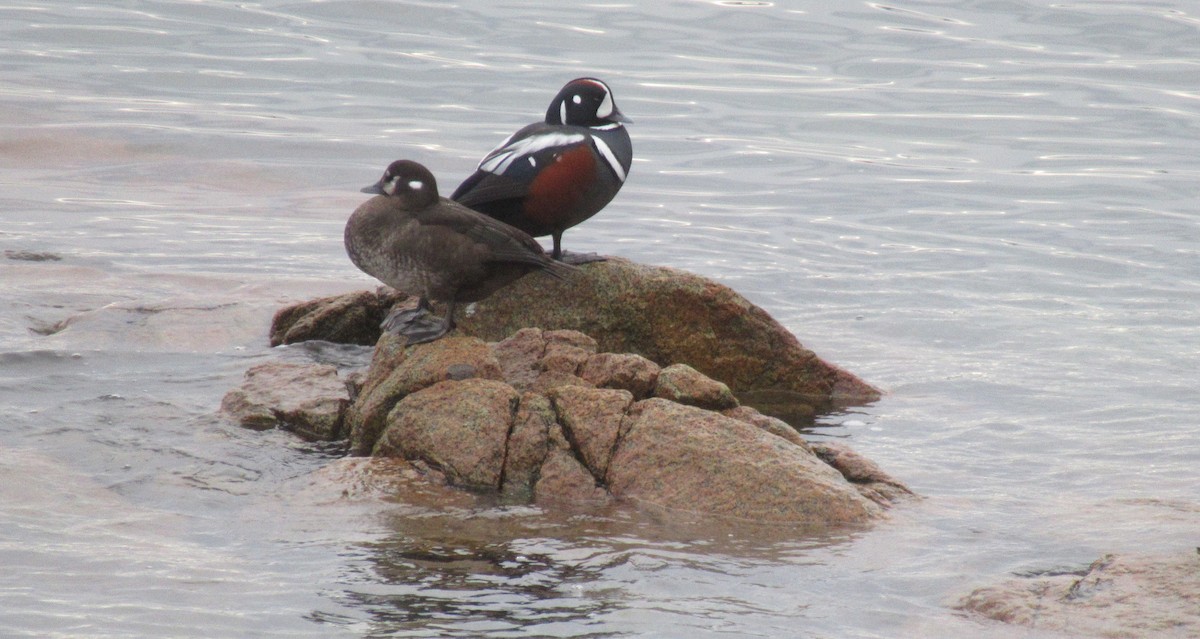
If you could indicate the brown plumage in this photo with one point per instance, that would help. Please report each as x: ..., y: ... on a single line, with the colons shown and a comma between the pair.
x: 417, y: 242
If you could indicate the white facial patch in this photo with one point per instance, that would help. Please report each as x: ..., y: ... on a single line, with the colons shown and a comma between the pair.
x: 562, y: 112
x: 389, y: 186
x: 416, y: 185
x: 577, y: 100
x: 499, y: 160
x: 606, y: 106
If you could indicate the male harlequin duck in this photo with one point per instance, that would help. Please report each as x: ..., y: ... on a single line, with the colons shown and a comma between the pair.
x: 552, y: 175
x: 424, y: 245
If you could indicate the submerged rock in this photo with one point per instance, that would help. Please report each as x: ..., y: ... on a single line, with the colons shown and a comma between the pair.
x: 661, y: 314
x: 1116, y: 596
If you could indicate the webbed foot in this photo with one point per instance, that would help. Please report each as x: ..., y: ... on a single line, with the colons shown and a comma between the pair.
x: 576, y: 259
x: 426, y: 328
x: 398, y: 318
x: 417, y: 326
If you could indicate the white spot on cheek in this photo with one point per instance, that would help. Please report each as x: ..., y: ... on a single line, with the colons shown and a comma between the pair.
x: 532, y: 161
x: 577, y: 100
x: 416, y: 185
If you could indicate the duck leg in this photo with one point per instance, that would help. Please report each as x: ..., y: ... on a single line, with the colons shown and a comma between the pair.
x: 572, y: 258
x: 427, y: 327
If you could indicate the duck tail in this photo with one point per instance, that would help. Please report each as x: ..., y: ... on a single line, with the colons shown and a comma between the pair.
x: 558, y: 270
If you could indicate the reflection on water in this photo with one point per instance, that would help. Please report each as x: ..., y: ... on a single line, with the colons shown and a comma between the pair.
x: 986, y: 209
x: 513, y: 569
x: 456, y: 585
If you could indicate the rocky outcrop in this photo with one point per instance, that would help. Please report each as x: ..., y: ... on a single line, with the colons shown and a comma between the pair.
x: 1116, y: 596
x: 542, y: 416
x: 633, y: 391
x: 663, y: 315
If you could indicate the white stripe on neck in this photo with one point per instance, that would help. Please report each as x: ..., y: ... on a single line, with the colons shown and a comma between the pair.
x: 610, y: 158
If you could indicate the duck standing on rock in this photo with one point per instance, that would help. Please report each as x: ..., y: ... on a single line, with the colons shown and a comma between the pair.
x: 425, y: 245
x: 552, y: 175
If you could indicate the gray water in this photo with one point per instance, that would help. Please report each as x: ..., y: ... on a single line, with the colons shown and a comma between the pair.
x: 988, y: 209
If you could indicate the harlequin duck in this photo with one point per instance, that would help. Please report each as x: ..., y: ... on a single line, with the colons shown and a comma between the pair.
x: 419, y: 243
x: 552, y: 175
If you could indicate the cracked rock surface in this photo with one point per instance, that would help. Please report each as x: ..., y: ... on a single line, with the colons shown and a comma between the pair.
x: 546, y: 418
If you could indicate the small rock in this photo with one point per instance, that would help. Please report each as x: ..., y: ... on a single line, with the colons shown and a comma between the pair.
x: 32, y: 256
x: 547, y: 381
x: 540, y: 361
x: 591, y: 420
x: 519, y: 355
x: 524, y: 417
x: 306, y: 398
x: 398, y: 370
x: 460, y: 428
x: 628, y: 371
x: 684, y: 384
x: 566, y: 351
x: 564, y: 479
x: 349, y: 319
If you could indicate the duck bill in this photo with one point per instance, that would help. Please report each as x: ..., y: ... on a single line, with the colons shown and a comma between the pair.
x: 374, y: 189
x: 617, y: 116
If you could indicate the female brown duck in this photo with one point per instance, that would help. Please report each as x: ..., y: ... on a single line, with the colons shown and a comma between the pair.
x: 429, y: 246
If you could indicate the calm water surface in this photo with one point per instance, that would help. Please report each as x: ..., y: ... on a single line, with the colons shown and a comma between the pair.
x: 986, y: 208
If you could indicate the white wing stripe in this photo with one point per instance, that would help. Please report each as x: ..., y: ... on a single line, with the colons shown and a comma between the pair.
x: 499, y: 160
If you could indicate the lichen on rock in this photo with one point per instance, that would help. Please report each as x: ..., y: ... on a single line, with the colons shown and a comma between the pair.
x: 664, y: 315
